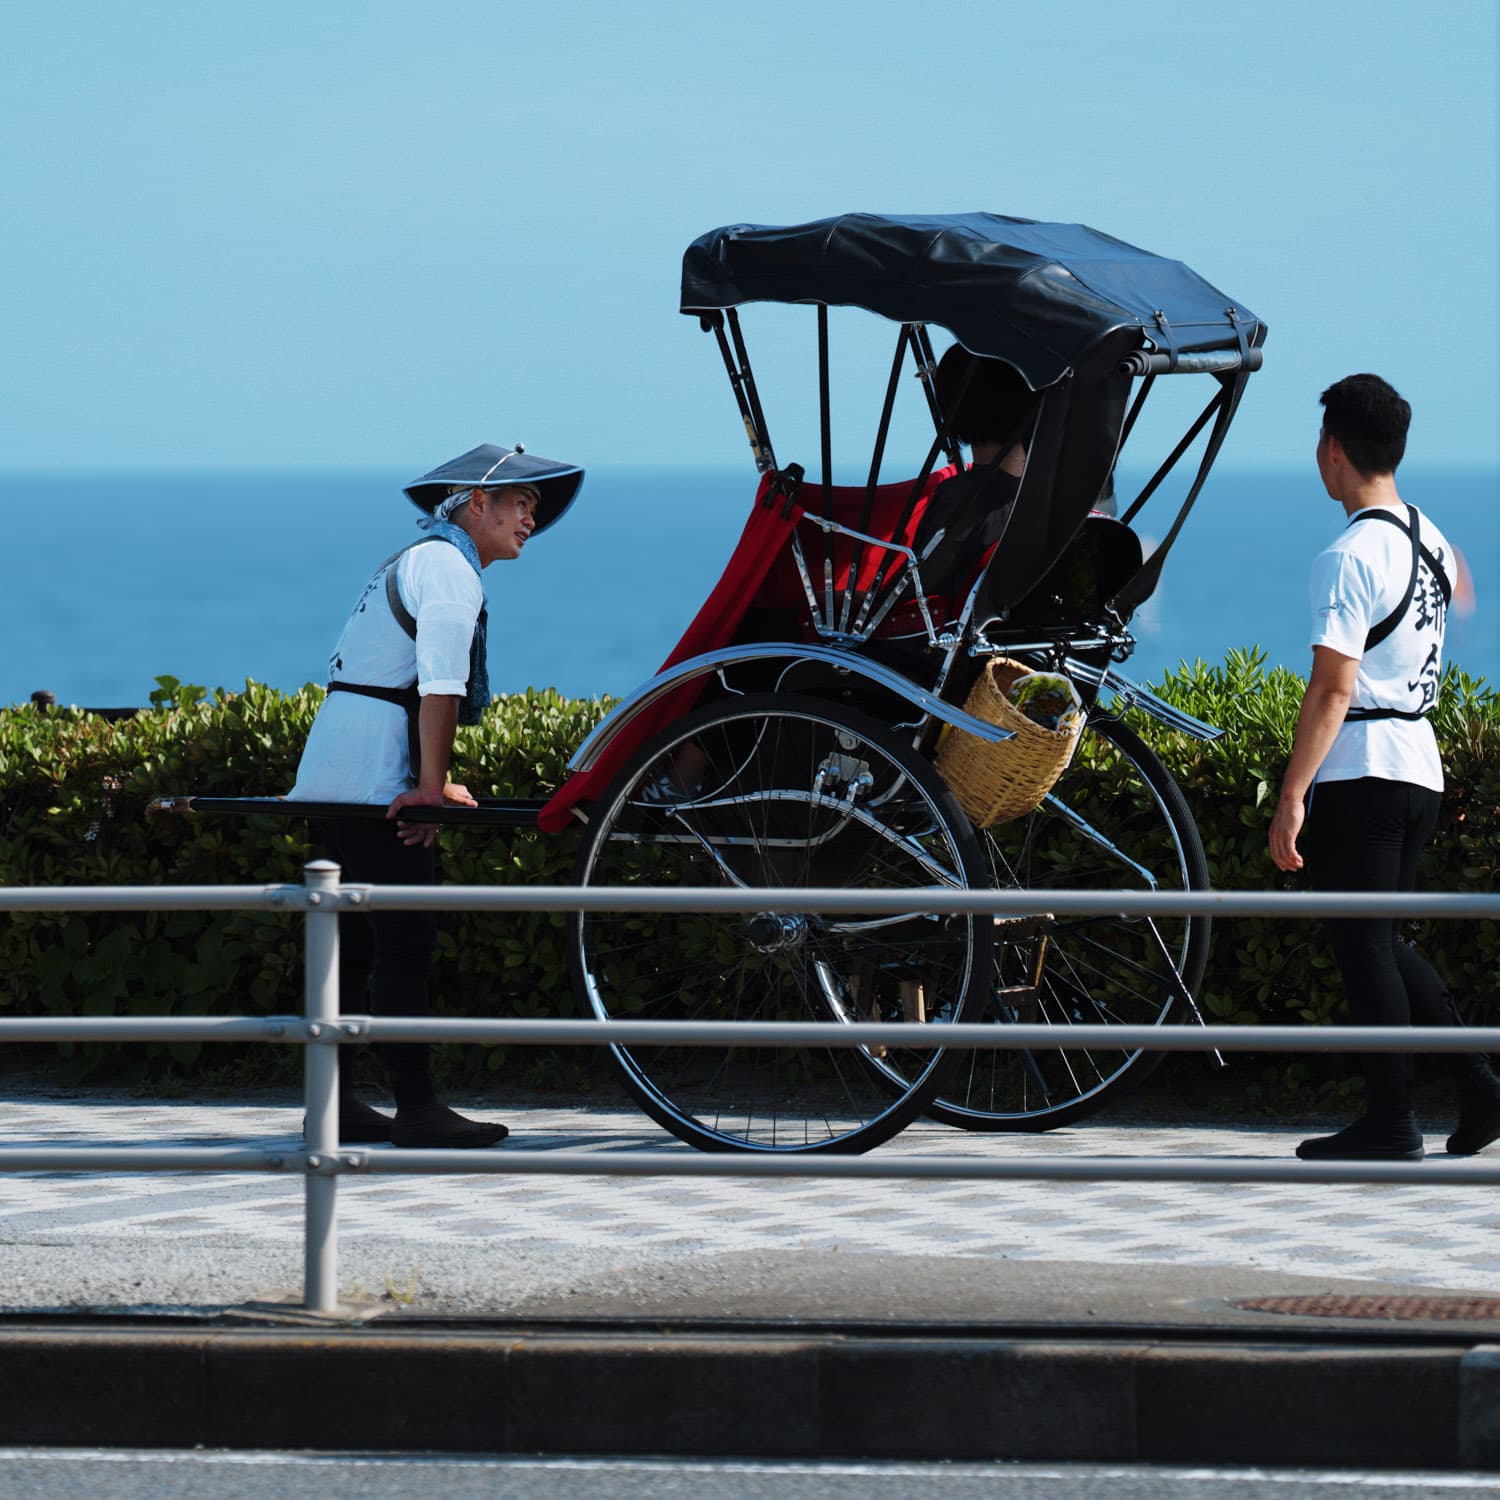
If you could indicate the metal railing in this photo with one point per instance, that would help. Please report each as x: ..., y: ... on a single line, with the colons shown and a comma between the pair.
x: 322, y: 1028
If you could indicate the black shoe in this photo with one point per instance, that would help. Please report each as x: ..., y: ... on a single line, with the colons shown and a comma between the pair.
x: 1478, y: 1120
x: 1395, y: 1138
x: 436, y: 1127
x: 359, y: 1125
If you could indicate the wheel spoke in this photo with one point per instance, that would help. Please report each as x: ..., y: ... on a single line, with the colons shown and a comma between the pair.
x: 810, y: 796
x: 1115, y: 821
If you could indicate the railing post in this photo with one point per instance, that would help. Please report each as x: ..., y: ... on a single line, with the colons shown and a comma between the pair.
x: 321, y: 1075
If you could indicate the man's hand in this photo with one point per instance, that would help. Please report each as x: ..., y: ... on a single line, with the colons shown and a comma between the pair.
x: 1330, y: 686
x: 1285, y: 827
x: 437, y: 720
x: 450, y: 795
x: 415, y: 833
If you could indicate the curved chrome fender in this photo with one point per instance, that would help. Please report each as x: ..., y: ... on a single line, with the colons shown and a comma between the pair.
x: 711, y: 661
x: 1130, y: 694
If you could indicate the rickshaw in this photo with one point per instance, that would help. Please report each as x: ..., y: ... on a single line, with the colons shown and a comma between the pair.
x: 789, y: 738
x: 800, y: 734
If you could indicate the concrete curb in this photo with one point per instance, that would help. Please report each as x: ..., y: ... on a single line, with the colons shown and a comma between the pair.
x: 1398, y: 1403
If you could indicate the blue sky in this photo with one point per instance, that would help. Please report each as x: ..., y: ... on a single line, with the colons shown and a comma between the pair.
x: 370, y: 235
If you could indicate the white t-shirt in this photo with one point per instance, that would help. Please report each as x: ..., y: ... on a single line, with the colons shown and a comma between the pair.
x: 357, y: 749
x: 1356, y: 583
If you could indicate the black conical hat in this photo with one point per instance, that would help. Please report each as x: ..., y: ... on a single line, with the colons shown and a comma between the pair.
x: 491, y: 467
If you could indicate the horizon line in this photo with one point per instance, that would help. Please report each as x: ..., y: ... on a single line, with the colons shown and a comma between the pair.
x: 747, y: 470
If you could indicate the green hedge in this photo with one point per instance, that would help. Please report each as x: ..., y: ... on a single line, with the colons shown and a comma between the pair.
x: 74, y: 790
x: 1280, y: 972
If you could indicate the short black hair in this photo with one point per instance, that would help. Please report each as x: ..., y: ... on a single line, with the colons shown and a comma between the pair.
x: 995, y: 404
x: 1369, y: 418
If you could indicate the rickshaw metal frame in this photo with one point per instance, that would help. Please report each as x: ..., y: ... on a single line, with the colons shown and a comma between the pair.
x: 845, y: 617
x: 859, y: 617
x: 846, y: 598
x: 1232, y: 366
x: 1000, y: 284
x: 710, y: 663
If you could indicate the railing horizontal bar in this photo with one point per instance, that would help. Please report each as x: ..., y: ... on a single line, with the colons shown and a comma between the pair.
x: 153, y: 1029
x: 291, y: 898
x: 585, y: 1033
x: 109, y: 1159
x: 1468, y: 905
x: 990, y: 1036
x: 941, y: 901
x: 682, y: 1162
x: 686, y: 1163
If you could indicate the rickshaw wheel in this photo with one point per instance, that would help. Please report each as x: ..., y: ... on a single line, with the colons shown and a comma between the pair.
x: 769, y: 791
x: 1117, y: 821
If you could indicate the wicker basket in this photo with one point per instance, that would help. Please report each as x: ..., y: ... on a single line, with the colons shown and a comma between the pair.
x: 997, y: 782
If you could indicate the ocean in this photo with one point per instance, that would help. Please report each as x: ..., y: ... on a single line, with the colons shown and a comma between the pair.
x: 115, y: 580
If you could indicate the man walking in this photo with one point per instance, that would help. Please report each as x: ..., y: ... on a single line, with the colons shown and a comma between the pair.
x: 408, y: 669
x: 1365, y: 770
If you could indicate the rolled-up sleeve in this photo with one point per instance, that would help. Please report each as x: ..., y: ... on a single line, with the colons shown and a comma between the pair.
x: 445, y: 596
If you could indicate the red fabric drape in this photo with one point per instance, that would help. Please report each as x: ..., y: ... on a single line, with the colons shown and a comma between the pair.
x: 761, y: 572
x: 765, y: 538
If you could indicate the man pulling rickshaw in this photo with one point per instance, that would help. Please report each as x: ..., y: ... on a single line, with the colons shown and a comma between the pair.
x: 408, y: 669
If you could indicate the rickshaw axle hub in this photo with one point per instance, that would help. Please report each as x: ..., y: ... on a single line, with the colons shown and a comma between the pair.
x: 773, y: 932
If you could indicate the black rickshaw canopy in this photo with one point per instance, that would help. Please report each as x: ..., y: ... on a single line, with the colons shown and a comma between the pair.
x: 1037, y: 295
x: 1079, y: 314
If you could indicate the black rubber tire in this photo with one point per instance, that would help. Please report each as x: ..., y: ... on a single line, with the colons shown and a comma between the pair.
x: 1130, y: 796
x: 766, y: 814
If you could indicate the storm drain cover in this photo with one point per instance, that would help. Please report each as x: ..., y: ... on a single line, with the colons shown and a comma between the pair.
x: 1437, y: 1309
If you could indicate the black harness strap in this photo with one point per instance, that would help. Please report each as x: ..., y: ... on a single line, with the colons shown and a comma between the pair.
x: 407, y: 698
x: 470, y: 713
x: 1382, y: 631
x: 404, y: 617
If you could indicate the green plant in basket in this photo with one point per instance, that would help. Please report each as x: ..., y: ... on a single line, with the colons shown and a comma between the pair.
x: 1047, y: 699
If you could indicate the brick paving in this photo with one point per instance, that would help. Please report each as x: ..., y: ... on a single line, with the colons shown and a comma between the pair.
x: 1448, y: 1237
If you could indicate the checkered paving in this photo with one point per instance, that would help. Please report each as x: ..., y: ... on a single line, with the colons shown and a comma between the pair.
x: 1447, y: 1237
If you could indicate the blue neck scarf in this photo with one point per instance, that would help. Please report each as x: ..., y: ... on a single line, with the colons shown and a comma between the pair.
x: 477, y: 699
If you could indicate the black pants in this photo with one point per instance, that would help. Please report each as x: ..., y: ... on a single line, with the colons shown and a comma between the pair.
x: 1367, y: 835
x: 385, y: 957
